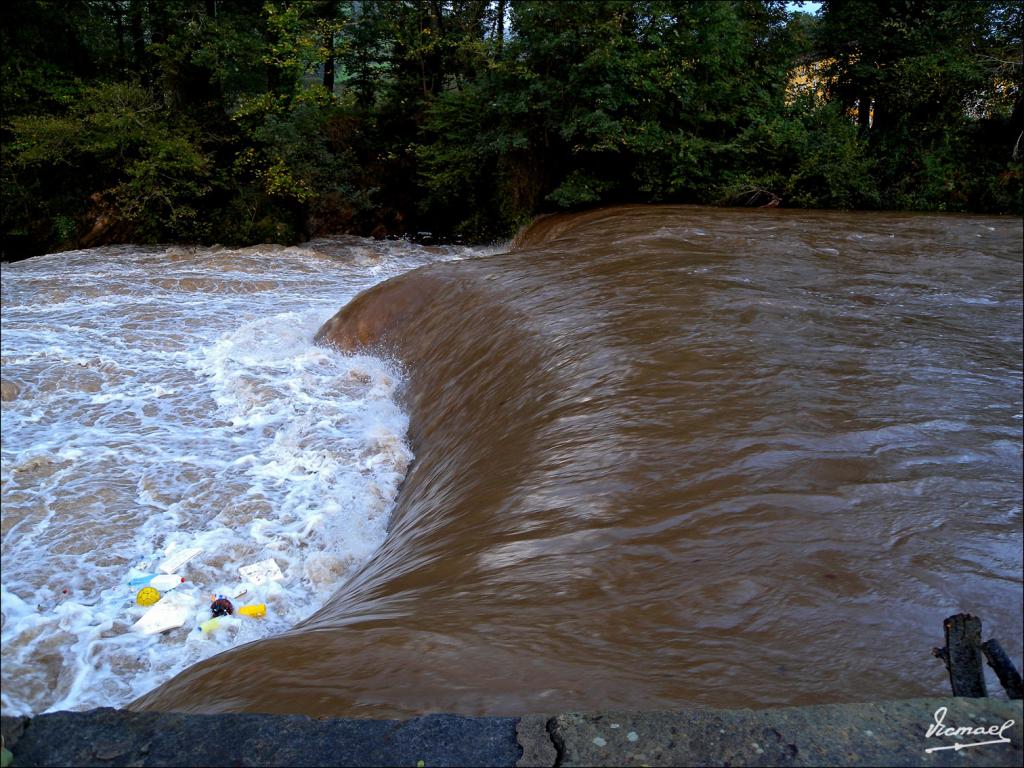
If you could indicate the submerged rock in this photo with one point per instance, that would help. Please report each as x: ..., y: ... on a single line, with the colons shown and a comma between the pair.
x: 8, y: 390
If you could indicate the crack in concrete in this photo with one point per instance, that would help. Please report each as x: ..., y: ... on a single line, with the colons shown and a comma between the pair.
x: 556, y: 741
x: 534, y: 738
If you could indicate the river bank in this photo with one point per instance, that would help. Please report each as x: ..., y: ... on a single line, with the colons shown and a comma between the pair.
x: 892, y: 733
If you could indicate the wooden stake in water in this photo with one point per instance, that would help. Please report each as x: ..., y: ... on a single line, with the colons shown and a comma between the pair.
x: 962, y: 655
x: 1004, y: 669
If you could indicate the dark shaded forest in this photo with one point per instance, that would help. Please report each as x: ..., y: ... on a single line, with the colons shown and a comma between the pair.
x: 238, y: 121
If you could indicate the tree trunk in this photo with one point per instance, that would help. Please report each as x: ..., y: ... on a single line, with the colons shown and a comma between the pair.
x: 138, y: 40
x: 122, y: 58
x: 864, y: 111
x: 501, y: 26
x: 158, y: 21
x: 329, y: 63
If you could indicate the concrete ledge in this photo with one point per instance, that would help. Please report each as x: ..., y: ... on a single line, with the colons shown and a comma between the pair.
x: 108, y: 737
x: 883, y: 734
x: 888, y: 733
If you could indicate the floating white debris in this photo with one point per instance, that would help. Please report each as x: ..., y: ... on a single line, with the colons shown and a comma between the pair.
x: 261, y: 572
x: 162, y: 617
x: 165, y: 582
x: 178, y: 559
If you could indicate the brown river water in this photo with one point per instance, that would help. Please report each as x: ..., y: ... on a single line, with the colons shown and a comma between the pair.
x: 670, y: 457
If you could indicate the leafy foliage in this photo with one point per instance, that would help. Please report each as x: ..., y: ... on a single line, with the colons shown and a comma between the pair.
x: 238, y: 121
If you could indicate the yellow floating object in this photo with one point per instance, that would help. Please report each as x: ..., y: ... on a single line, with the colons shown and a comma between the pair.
x: 210, y: 625
x: 147, y: 596
x: 257, y: 611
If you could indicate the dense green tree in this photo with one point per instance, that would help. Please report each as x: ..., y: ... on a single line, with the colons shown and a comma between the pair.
x: 238, y: 121
x: 932, y: 84
x: 604, y: 101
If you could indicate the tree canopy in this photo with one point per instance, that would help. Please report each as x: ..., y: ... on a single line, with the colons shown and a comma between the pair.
x: 237, y: 121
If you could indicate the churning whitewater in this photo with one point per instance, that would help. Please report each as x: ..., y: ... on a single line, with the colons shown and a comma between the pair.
x: 159, y: 399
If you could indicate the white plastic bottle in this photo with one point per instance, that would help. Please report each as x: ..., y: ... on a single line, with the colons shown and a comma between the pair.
x: 166, y: 581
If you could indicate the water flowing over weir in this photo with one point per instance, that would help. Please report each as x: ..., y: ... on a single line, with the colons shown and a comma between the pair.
x: 661, y: 456
x: 157, y: 397
x: 668, y: 456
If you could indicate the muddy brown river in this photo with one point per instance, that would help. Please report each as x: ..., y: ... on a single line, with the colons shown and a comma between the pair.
x: 677, y: 457
x: 668, y: 457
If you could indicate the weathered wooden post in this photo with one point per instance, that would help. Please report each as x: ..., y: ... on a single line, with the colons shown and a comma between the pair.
x: 962, y: 655
x: 1004, y: 669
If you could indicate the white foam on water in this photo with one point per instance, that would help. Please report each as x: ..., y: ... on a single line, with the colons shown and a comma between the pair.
x: 170, y: 398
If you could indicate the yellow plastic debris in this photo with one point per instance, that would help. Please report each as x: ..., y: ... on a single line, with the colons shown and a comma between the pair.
x: 210, y: 625
x: 147, y: 596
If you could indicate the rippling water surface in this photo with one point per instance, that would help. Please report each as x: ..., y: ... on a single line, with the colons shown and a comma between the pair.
x: 660, y: 457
